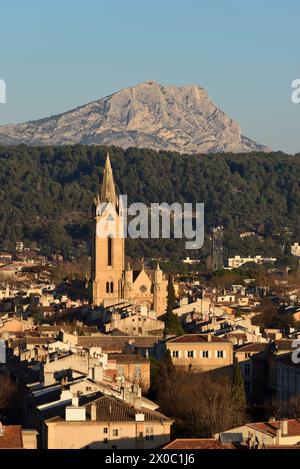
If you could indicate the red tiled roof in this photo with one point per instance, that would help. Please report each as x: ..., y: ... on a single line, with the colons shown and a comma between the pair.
x: 110, y: 409
x: 193, y: 338
x: 197, y: 443
x: 271, y: 427
x: 282, y: 344
x: 11, y: 437
x: 37, y: 340
x: 253, y: 347
x: 116, y: 344
x: 127, y: 358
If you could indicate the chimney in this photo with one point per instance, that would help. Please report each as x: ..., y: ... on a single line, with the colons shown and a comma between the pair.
x: 126, y: 395
x: 284, y: 427
x: 208, y: 337
x: 74, y: 413
x: 278, y: 436
x: 93, y: 412
x: 75, y: 401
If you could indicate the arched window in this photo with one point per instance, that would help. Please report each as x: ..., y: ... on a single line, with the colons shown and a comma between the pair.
x: 107, y: 287
x: 109, y: 251
x: 111, y: 287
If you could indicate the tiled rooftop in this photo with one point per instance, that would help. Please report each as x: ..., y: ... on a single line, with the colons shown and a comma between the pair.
x: 127, y: 358
x: 194, y: 338
x: 271, y: 427
x: 197, y: 443
x: 11, y: 437
x: 112, y: 409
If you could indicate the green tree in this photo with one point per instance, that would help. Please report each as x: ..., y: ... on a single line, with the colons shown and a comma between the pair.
x: 172, y: 322
x: 238, y: 388
x: 160, y: 372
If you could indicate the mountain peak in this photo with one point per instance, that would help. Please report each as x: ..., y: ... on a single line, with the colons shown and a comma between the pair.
x: 148, y: 115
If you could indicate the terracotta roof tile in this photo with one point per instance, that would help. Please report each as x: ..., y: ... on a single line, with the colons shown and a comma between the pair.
x: 112, y: 409
x: 193, y: 338
x: 282, y: 344
x: 11, y: 437
x: 271, y: 427
x: 197, y: 443
x: 127, y: 358
x: 116, y: 344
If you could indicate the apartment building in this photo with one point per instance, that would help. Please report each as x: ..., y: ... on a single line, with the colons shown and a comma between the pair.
x: 202, y: 352
x: 108, y: 423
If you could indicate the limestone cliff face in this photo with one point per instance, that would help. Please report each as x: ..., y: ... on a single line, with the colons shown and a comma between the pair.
x: 149, y: 115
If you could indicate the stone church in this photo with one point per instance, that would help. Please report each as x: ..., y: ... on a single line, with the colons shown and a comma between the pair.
x: 112, y: 282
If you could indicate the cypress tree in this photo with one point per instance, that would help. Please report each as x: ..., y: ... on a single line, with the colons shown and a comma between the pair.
x: 172, y: 322
x: 238, y: 388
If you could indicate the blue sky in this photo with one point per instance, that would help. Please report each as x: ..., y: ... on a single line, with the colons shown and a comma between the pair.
x: 56, y: 55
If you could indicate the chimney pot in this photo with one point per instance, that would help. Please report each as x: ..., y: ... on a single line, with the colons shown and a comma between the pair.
x: 284, y: 426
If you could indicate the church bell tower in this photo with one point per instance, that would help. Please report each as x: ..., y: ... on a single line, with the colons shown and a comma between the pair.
x: 108, y: 253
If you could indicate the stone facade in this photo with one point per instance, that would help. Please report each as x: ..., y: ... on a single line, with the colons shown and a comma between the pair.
x: 111, y: 282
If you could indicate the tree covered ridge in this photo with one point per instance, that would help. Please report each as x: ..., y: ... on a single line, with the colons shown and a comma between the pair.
x: 46, y: 193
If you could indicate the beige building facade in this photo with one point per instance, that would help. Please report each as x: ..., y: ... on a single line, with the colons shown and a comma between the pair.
x: 202, y: 352
x: 112, y: 283
x: 108, y: 423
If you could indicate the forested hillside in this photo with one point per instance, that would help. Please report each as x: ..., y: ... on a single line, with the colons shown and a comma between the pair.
x: 46, y: 195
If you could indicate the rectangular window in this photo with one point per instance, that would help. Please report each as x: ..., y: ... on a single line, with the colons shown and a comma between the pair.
x: 149, y: 434
x: 138, y: 371
x: 120, y: 370
x: 105, y: 440
x: 205, y: 354
x: 175, y: 354
x: 115, y: 432
x: 190, y: 354
x: 220, y: 354
x: 105, y: 430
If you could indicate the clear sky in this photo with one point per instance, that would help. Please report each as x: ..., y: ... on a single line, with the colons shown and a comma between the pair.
x: 56, y: 55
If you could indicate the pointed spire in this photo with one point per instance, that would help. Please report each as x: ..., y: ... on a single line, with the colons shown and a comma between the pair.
x: 108, y: 190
